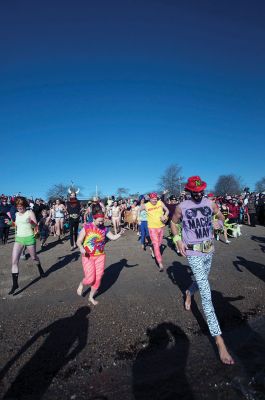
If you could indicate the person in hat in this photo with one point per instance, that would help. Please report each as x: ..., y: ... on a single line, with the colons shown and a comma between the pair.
x: 73, y: 208
x: 157, y: 216
x: 196, y: 243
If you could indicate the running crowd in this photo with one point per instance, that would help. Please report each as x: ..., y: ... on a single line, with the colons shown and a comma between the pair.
x: 194, y: 221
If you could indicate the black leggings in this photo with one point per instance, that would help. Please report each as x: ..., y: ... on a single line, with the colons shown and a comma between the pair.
x: 4, y: 232
x: 73, y: 227
x: 252, y: 218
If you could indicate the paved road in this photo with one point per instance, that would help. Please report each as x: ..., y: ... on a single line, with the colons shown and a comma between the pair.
x: 139, y: 342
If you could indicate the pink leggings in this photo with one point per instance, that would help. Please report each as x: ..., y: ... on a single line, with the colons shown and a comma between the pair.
x: 93, y: 270
x: 156, y: 235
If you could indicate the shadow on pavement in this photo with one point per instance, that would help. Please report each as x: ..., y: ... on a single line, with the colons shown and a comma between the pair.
x: 159, y: 369
x: 64, y: 339
x: 246, y: 344
x: 111, y: 275
x: 64, y: 260
x: 255, y: 268
x: 258, y: 239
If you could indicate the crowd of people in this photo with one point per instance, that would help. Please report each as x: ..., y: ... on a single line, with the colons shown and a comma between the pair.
x: 194, y: 221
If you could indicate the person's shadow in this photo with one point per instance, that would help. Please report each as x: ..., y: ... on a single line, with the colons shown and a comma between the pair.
x: 48, y: 246
x: 159, y: 369
x: 65, y: 338
x: 258, y: 239
x: 111, y: 275
x: 63, y: 261
x: 245, y: 343
x: 255, y: 268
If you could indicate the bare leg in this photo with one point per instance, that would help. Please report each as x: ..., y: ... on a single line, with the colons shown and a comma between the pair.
x: 16, y: 253
x: 80, y: 289
x: 61, y: 226
x: 91, y: 296
x: 114, y: 226
x: 118, y: 225
x: 187, y: 300
x: 32, y: 253
x: 225, y: 236
x: 57, y: 227
x: 223, y: 352
x: 35, y: 259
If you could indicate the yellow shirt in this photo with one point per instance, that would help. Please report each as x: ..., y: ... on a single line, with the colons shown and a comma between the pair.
x: 154, y: 213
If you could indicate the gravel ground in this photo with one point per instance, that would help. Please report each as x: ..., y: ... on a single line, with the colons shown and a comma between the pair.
x: 139, y: 342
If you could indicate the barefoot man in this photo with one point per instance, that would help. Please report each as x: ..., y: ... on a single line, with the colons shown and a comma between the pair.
x: 196, y: 244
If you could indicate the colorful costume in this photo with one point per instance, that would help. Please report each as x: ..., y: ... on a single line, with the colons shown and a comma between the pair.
x: 94, y: 260
x: 197, y: 234
x: 155, y: 226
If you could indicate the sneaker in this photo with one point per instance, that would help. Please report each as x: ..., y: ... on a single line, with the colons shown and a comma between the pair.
x: 217, y: 237
x: 227, y: 241
x: 23, y: 257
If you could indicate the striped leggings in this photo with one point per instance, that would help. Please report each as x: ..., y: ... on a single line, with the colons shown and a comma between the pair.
x: 200, y: 266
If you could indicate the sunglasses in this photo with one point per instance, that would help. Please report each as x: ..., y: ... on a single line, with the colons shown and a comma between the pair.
x: 192, y: 212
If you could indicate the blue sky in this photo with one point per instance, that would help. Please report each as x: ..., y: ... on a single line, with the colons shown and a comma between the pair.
x: 110, y: 93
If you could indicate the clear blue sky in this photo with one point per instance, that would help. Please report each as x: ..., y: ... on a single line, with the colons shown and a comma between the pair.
x: 113, y: 92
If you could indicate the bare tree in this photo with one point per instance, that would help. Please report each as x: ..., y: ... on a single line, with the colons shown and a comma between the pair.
x: 260, y: 185
x: 134, y: 195
x: 228, y: 184
x: 172, y: 180
x: 58, y: 190
x: 122, y: 192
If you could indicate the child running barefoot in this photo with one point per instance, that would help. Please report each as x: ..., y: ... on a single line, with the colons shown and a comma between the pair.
x: 91, y: 242
x: 44, y: 229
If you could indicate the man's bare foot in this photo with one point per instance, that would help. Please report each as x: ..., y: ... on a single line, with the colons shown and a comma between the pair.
x: 225, y: 357
x: 187, y: 300
x: 93, y: 301
x: 80, y: 289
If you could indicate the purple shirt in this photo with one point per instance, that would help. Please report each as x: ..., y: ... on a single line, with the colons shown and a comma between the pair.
x: 196, y: 223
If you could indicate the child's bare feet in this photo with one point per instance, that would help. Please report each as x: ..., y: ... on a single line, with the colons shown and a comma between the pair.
x: 93, y: 301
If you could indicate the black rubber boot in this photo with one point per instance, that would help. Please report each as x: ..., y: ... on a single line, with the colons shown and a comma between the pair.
x: 41, y: 272
x: 15, y: 283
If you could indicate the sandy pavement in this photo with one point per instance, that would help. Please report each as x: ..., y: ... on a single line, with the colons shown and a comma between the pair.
x: 139, y: 342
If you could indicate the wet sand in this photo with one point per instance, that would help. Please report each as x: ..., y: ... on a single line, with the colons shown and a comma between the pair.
x: 139, y: 342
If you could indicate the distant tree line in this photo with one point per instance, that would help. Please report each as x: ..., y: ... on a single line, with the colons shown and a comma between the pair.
x: 171, y: 181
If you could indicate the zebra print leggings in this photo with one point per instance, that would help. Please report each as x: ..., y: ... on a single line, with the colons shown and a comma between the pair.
x: 200, y: 266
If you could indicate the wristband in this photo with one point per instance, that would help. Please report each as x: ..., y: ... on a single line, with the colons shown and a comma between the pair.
x: 176, y: 238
